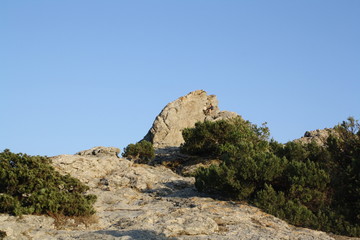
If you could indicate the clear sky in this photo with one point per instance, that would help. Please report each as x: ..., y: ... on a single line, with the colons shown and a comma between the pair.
x: 75, y: 74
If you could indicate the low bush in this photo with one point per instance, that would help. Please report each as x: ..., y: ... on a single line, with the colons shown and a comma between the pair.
x: 306, y: 184
x: 30, y: 185
x: 142, y: 151
x: 224, y: 136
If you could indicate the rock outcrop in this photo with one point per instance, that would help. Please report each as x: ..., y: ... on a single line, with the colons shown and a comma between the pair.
x: 100, y: 152
x: 144, y: 202
x: 184, y: 113
x: 318, y: 136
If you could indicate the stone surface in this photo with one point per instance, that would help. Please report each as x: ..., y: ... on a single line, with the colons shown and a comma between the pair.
x: 183, y: 113
x: 138, y: 201
x: 100, y: 151
x: 318, y: 136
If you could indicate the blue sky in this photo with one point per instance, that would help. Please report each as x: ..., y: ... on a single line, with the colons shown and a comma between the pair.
x: 85, y: 73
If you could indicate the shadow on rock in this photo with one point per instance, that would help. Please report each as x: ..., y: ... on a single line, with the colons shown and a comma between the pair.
x: 176, y: 189
x: 130, y: 234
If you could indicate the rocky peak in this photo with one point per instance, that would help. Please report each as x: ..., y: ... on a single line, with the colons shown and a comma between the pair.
x: 182, y: 113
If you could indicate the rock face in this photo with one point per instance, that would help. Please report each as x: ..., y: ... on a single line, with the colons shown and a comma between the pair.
x: 183, y: 113
x: 100, y: 151
x: 144, y: 202
x: 318, y: 136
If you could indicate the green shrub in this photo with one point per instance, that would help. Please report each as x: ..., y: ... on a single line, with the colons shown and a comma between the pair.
x: 142, y: 151
x: 247, y: 161
x: 345, y: 168
x: 239, y: 177
x: 30, y: 185
x: 279, y: 205
x: 215, y: 138
x: 306, y: 184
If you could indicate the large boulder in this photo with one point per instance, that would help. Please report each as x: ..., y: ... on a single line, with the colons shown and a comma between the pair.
x: 184, y: 112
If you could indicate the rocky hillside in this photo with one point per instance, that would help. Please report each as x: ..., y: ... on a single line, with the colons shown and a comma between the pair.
x: 146, y: 202
x: 137, y: 201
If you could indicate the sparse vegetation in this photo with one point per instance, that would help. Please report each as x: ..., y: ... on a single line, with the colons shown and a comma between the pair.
x: 2, y: 235
x: 306, y: 184
x: 30, y: 185
x: 142, y: 152
x: 65, y: 222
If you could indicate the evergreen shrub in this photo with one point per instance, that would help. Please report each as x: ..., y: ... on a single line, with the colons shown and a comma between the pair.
x: 306, y: 184
x: 142, y: 151
x: 30, y: 185
x: 215, y: 138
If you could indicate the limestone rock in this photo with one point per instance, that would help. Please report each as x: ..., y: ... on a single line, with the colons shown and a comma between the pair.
x: 184, y: 113
x: 100, y: 151
x: 318, y: 136
x: 223, y: 115
x: 26, y: 226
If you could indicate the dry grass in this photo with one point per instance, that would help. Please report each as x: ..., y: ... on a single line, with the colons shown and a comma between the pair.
x: 61, y: 221
x: 2, y: 234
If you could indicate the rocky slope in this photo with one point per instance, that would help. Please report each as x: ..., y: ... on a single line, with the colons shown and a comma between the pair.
x: 152, y: 202
x: 146, y: 202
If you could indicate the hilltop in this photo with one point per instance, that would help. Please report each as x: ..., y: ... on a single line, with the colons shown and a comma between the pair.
x: 141, y: 201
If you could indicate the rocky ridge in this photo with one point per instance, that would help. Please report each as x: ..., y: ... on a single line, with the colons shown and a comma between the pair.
x: 145, y: 202
x: 100, y: 151
x: 318, y: 136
